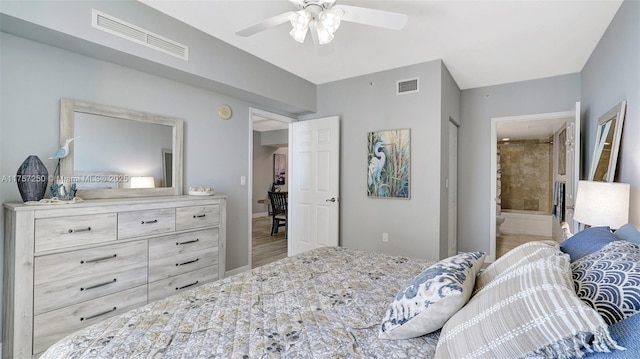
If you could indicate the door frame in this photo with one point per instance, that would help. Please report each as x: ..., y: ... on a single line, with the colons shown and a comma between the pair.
x: 272, y: 116
x: 494, y: 166
x: 452, y: 189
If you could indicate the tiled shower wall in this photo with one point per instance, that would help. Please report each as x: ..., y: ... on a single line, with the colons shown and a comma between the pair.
x: 526, y: 175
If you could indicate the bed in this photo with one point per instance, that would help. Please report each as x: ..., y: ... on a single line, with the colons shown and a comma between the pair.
x: 322, y: 303
x: 539, y: 300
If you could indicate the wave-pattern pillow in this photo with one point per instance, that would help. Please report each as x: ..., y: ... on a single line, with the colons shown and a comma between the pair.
x: 516, y: 257
x: 432, y: 297
x: 531, y: 310
x: 609, y: 280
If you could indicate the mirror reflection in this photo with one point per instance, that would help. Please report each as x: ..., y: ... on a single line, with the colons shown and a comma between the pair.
x: 129, y: 150
x: 604, y: 143
x: 607, y: 144
x: 118, y: 153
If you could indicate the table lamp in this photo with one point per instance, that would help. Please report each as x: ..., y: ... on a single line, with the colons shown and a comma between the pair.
x: 142, y: 182
x: 602, y: 204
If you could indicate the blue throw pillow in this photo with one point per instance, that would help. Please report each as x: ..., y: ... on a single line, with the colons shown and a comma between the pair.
x: 628, y: 233
x: 609, y: 280
x: 432, y: 297
x: 586, y: 242
x: 627, y: 334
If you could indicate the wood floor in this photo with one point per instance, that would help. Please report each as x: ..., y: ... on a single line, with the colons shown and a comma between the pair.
x: 266, y: 248
x: 507, y: 241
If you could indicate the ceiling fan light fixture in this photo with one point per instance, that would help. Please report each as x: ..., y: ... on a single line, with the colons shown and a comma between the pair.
x: 330, y: 20
x: 324, y: 35
x: 298, y: 34
x: 300, y: 23
x: 322, y: 20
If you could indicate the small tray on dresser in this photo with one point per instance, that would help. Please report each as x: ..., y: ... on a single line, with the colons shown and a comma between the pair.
x: 201, y: 191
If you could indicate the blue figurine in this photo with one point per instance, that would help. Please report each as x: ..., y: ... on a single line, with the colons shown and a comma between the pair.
x: 61, y: 153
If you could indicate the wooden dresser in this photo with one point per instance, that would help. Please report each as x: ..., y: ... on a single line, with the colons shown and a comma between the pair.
x: 67, y: 266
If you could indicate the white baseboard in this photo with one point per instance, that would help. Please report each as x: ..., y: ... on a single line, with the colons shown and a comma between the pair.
x: 236, y: 271
x: 260, y: 214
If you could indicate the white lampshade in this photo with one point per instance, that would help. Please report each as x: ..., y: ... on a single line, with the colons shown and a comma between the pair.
x: 602, y: 204
x: 143, y: 182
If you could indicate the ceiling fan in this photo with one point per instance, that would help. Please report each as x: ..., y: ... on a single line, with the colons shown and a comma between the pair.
x: 322, y: 18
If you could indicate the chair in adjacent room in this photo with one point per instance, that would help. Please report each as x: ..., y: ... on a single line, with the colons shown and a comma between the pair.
x: 279, y: 209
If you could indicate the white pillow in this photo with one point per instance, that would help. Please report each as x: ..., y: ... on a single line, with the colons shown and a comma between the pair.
x: 432, y: 297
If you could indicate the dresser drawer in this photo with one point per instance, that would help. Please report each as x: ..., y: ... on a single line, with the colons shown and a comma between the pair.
x: 62, y: 232
x: 169, y: 246
x: 172, y: 285
x: 53, y: 326
x: 144, y: 223
x: 197, y: 217
x: 73, y: 277
x: 161, y: 268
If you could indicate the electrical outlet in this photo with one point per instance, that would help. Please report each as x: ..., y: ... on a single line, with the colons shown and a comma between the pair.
x: 385, y: 237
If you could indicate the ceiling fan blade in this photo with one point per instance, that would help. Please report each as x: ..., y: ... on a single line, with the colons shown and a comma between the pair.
x: 265, y: 24
x: 373, y: 17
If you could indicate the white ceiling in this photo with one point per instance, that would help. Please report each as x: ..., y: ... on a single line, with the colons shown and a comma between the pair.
x: 262, y: 124
x: 539, y: 129
x: 481, y: 42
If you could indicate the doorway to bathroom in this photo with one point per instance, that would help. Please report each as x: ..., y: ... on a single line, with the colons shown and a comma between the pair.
x: 535, y: 166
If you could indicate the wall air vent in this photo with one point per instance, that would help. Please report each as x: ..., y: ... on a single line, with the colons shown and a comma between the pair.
x: 115, y: 26
x: 407, y: 86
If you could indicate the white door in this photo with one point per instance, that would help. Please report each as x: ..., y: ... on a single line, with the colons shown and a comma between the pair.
x: 453, y: 189
x: 573, y: 166
x: 314, y: 154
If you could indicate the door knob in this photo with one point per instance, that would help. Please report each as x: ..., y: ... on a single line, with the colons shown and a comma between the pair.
x: 332, y: 199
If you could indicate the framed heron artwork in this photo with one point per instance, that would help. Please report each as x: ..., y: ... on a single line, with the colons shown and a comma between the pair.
x: 389, y: 163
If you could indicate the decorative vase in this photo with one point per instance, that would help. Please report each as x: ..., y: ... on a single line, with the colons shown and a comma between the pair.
x: 32, y: 178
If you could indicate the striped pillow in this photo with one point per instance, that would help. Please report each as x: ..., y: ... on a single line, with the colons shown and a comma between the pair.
x: 530, y: 310
x: 516, y: 257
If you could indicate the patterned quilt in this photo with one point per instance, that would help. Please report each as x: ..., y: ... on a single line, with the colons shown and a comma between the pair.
x: 328, y: 302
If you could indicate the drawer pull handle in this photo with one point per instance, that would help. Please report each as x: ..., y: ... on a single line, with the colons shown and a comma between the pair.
x: 189, y: 262
x: 188, y: 285
x: 187, y: 242
x: 80, y: 230
x: 98, y: 285
x: 150, y: 222
x: 98, y: 259
x: 99, y: 314
x: 199, y: 216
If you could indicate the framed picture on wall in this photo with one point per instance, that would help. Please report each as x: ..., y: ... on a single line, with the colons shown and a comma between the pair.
x: 389, y: 163
x: 279, y: 169
x: 562, y: 152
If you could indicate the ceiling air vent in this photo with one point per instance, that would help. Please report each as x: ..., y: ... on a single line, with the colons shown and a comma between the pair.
x: 407, y: 86
x: 115, y: 26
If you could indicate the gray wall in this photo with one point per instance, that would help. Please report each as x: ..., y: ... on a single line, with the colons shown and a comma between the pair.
x: 275, y: 138
x: 213, y: 64
x: 612, y: 74
x: 369, y: 103
x: 263, y: 171
x: 478, y: 107
x: 36, y: 76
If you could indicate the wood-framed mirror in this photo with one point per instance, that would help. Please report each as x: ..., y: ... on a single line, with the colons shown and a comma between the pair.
x: 120, y: 153
x: 607, y: 145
